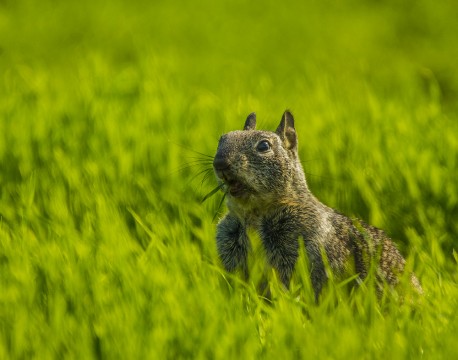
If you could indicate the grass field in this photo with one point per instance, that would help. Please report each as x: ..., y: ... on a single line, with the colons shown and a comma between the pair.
x: 106, y: 250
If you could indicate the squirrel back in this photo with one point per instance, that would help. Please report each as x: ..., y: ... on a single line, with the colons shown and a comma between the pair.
x: 266, y: 189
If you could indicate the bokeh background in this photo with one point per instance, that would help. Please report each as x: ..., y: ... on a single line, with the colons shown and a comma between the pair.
x: 108, y: 113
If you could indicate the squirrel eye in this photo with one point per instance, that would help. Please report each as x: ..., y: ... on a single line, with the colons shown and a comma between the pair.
x: 263, y: 146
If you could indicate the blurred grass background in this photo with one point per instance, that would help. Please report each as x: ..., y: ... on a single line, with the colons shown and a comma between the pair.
x: 105, y: 249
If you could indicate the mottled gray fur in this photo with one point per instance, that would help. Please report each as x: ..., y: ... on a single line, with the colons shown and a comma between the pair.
x: 266, y: 190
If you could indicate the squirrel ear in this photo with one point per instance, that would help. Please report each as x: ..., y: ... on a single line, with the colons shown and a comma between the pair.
x: 286, y: 130
x: 250, y: 122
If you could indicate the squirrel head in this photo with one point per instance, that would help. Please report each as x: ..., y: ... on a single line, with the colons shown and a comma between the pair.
x: 256, y: 165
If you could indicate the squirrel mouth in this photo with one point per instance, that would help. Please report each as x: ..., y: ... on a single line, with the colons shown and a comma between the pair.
x: 236, y: 189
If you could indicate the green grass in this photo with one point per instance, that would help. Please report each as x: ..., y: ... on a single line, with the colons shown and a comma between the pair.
x: 105, y: 248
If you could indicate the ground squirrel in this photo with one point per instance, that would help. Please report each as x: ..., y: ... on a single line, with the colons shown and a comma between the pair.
x: 262, y: 176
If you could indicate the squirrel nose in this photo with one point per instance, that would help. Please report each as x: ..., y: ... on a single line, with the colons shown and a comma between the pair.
x: 220, y: 163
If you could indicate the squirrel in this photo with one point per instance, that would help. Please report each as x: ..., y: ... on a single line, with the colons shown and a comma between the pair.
x: 266, y: 189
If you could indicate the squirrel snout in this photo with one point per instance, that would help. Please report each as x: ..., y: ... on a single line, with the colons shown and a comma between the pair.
x: 220, y: 163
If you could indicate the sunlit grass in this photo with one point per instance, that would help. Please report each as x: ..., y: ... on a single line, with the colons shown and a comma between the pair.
x: 106, y: 115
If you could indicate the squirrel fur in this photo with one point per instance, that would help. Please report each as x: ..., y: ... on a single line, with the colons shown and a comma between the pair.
x: 266, y: 190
